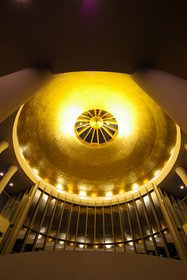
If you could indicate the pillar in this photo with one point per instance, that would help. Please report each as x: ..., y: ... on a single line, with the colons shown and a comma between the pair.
x: 22, y: 211
x: 3, y: 146
x: 182, y: 174
x: 6, y: 178
x: 171, y: 224
x: 168, y: 90
x: 18, y: 87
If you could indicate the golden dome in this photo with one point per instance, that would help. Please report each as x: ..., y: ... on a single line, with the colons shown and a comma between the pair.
x: 49, y: 137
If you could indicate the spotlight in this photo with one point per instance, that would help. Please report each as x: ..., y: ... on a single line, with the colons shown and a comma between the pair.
x: 135, y: 187
x: 82, y: 193
x: 157, y: 173
x: 108, y: 194
x: 35, y: 171
x: 59, y: 187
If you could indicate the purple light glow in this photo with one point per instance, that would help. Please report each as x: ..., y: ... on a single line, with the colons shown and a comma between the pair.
x: 89, y: 7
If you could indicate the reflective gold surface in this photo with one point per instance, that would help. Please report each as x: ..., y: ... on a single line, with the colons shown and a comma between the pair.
x: 47, y: 138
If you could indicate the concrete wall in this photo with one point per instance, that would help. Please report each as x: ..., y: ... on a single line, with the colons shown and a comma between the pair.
x: 89, y: 266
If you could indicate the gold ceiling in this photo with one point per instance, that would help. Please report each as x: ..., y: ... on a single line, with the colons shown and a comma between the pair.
x: 53, y: 147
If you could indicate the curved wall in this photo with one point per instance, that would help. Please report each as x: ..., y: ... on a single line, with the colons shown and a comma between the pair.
x: 95, y: 265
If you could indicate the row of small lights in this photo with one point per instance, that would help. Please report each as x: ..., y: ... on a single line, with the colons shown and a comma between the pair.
x: 110, y: 194
x: 108, y: 246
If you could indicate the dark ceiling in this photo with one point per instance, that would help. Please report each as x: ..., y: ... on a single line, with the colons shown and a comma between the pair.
x: 111, y: 35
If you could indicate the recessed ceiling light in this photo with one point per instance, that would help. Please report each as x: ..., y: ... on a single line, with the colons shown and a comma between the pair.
x: 1, y: 174
x: 181, y: 187
x: 94, y: 194
x: 108, y: 194
x: 157, y: 173
x: 135, y: 186
x: 82, y: 193
x: 171, y: 152
x: 35, y: 171
x: 11, y: 184
x: 59, y: 187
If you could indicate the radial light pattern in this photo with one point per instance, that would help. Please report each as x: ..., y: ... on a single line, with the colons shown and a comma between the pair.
x: 96, y: 127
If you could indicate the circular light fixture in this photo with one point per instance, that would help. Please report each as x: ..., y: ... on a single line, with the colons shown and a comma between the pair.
x: 96, y: 127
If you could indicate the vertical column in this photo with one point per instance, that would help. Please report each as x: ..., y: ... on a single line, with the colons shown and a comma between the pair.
x: 121, y: 226
x: 104, y: 239
x: 182, y: 174
x: 169, y: 91
x: 139, y: 225
x: 41, y: 222
x: 67, y: 231
x: 171, y: 224
x: 77, y: 227
x: 86, y: 227
x: 3, y: 145
x: 59, y: 226
x: 112, y: 223
x: 23, y: 210
x: 6, y: 178
x: 95, y: 224
x: 130, y: 225
x: 149, y: 224
x: 18, y: 87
